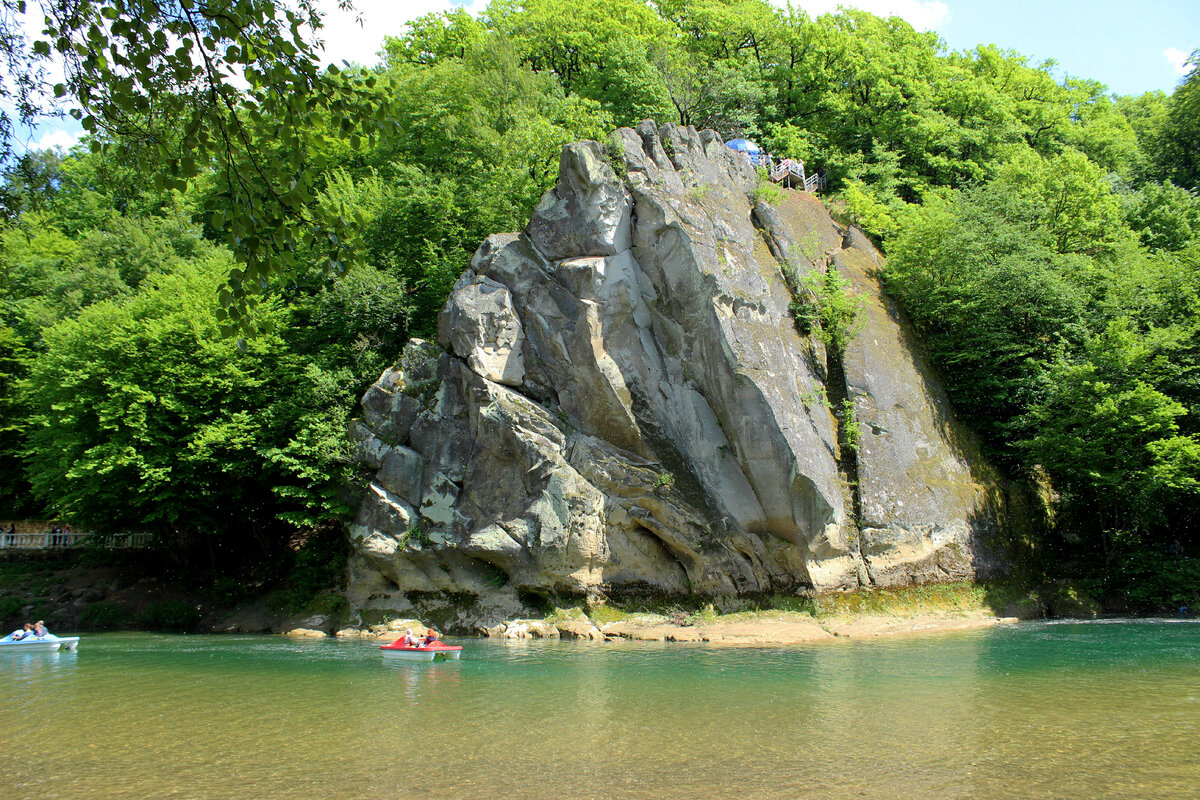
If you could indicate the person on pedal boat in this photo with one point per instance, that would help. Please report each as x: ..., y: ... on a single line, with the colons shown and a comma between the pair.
x: 20, y: 633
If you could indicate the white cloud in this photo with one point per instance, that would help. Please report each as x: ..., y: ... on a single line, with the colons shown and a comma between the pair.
x: 1178, y: 59
x: 348, y: 40
x: 923, y: 15
x: 59, y: 138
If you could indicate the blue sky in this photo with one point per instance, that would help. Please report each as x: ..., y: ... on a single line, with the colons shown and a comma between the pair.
x: 1130, y: 48
x: 1123, y: 45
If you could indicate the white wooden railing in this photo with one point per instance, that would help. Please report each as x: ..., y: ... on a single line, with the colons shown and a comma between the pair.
x: 48, y: 540
x: 790, y: 171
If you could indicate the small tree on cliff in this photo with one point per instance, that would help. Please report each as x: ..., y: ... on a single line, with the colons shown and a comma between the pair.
x: 828, y: 309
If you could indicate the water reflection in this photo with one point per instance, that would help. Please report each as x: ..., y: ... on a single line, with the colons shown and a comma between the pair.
x: 416, y: 674
x: 25, y: 673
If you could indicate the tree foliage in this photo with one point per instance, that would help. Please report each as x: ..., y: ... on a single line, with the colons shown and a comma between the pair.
x: 1178, y: 156
x: 828, y: 309
x: 1043, y: 235
x: 183, y: 88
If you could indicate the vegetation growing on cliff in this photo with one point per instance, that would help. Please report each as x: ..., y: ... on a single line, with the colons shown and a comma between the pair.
x: 827, y: 309
x: 1043, y: 235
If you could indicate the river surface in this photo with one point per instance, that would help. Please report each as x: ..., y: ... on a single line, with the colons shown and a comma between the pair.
x: 1037, y: 710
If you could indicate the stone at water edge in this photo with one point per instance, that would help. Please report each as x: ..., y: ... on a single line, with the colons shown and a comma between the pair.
x: 578, y: 629
x: 529, y: 629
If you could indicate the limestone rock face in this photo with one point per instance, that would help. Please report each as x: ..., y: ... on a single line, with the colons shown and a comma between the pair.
x: 480, y: 325
x: 922, y: 485
x: 619, y: 403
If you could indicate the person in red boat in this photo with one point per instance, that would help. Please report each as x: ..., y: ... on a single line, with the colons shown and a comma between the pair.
x: 431, y: 637
x: 409, y: 640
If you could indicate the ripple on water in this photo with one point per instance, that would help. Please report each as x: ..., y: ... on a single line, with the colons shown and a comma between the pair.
x: 1037, y: 710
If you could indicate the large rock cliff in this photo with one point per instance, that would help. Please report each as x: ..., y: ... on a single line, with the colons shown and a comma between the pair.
x: 619, y: 403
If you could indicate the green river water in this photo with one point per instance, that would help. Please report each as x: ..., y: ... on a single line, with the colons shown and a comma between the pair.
x: 1037, y: 710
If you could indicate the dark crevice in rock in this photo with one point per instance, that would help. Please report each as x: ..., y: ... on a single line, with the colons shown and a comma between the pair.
x: 677, y: 471
x: 847, y: 451
x: 769, y: 225
x: 668, y: 550
x: 836, y: 390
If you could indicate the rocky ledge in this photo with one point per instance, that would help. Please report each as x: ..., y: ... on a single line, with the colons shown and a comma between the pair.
x: 767, y: 628
x: 619, y: 404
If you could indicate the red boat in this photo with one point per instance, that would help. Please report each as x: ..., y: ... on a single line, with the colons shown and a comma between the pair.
x: 434, y: 651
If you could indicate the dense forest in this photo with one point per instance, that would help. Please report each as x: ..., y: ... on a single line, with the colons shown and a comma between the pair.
x: 1042, y: 234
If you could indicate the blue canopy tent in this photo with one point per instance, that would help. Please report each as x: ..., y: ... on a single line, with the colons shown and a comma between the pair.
x: 750, y: 150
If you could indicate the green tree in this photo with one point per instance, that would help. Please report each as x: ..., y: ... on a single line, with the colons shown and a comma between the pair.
x: 15, y: 494
x: 1067, y: 197
x: 1110, y: 438
x: 979, y: 273
x: 1099, y: 129
x: 598, y: 50
x: 145, y: 417
x: 1164, y: 216
x: 1147, y: 113
x: 1178, y: 155
x: 828, y: 309
x: 176, y: 88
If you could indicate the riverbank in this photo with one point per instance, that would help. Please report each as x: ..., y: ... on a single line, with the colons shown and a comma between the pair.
x: 763, y: 628
x: 73, y: 595
x: 759, y: 628
x: 131, y: 591
x: 931, y: 608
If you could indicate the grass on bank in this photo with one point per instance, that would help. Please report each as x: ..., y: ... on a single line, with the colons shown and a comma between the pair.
x: 962, y: 597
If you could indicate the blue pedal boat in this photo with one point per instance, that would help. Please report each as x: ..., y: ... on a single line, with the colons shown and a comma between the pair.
x: 31, y: 644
